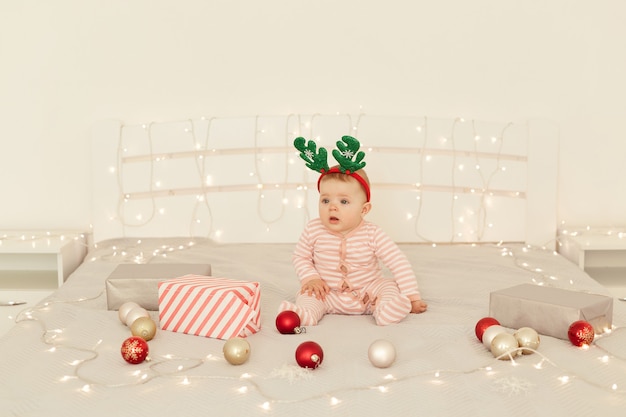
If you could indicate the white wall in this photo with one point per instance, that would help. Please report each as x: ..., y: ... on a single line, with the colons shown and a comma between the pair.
x: 69, y: 63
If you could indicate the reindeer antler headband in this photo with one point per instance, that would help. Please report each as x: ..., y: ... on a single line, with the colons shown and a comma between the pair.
x: 348, y: 148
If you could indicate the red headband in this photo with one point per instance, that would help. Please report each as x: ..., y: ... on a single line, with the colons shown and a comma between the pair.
x: 354, y: 175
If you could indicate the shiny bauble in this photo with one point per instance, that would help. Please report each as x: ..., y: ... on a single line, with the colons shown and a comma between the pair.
x: 124, y: 309
x: 144, y: 327
x: 504, y: 346
x: 134, y: 314
x: 528, y: 339
x: 581, y: 333
x: 381, y: 353
x: 236, y: 350
x: 309, y: 355
x: 490, y: 333
x: 134, y: 350
x: 482, y: 325
x: 288, y: 322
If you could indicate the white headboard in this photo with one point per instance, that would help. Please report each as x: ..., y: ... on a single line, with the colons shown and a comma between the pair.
x: 241, y: 180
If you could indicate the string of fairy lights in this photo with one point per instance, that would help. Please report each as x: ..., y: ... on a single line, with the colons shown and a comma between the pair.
x: 33, y: 240
x: 469, y: 226
x: 498, y: 374
x: 258, y: 173
x: 35, y: 237
x: 485, y: 190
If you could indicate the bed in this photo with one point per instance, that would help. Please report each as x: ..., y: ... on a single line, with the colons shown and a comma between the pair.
x: 472, y: 204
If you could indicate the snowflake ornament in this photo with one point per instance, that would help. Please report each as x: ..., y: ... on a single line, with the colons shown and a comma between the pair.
x: 513, y: 386
x: 134, y: 350
x: 291, y: 373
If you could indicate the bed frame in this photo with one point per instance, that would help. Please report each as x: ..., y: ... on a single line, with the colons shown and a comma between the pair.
x: 240, y: 179
x: 160, y: 189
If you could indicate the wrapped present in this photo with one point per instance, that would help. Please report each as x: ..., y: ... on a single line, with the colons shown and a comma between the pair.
x: 221, y: 308
x: 550, y: 311
x: 140, y: 282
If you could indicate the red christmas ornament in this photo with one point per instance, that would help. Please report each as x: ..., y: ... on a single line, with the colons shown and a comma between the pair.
x: 288, y: 322
x: 134, y: 350
x: 309, y: 355
x: 581, y: 333
x: 483, y: 324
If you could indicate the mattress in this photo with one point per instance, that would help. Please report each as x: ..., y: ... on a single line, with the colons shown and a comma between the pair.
x: 63, y: 356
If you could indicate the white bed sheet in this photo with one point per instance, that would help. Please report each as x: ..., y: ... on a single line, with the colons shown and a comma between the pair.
x: 63, y: 356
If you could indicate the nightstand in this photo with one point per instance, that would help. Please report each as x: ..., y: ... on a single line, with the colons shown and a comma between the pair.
x: 39, y: 260
x: 601, y: 253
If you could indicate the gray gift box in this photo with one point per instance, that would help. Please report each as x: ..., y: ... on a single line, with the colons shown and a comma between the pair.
x: 550, y: 311
x: 140, y: 282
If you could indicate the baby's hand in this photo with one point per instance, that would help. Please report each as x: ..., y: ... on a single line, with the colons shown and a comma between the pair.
x: 317, y: 288
x: 418, y: 306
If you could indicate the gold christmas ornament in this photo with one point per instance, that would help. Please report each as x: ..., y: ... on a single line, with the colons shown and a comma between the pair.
x: 144, y: 327
x: 236, y: 350
x: 527, y: 338
x: 504, y: 346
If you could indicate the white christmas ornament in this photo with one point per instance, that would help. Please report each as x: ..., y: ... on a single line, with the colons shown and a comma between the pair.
x: 134, y: 314
x: 124, y: 309
x: 490, y: 333
x: 381, y: 353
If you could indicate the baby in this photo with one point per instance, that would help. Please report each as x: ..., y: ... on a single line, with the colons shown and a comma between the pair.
x: 338, y: 255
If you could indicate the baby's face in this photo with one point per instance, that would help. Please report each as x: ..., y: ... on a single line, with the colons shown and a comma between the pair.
x: 342, y: 204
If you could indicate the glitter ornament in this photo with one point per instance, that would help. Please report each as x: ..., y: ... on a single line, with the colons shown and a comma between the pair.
x: 381, y: 353
x: 490, y: 333
x: 124, y: 309
x: 527, y: 338
x: 236, y: 350
x: 504, y: 346
x: 309, y: 355
x: 144, y: 327
x: 134, y: 314
x: 134, y: 350
x: 483, y: 324
x: 288, y: 322
x: 581, y: 333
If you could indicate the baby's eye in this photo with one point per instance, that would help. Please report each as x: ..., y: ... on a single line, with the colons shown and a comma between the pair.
x: 344, y: 201
x: 325, y: 201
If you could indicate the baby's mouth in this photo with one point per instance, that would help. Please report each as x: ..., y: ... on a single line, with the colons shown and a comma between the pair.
x: 333, y: 219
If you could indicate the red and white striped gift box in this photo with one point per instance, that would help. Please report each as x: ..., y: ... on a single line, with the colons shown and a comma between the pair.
x: 212, y: 307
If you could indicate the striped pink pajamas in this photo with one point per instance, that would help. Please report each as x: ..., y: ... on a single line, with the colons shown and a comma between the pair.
x: 351, y: 266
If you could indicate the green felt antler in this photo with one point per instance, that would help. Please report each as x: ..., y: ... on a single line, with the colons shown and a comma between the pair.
x: 348, y: 149
x: 317, y: 161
